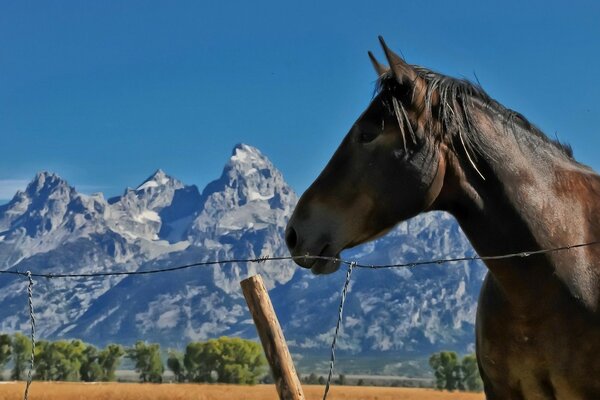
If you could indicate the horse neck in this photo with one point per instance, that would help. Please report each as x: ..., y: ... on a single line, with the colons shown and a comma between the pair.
x: 516, y: 208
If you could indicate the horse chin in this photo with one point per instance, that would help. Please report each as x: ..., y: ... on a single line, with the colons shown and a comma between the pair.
x: 324, y: 267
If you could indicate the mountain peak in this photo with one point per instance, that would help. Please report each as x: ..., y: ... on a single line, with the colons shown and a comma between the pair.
x: 250, y: 194
x: 246, y: 171
x: 244, y: 147
x: 246, y: 154
x: 44, y: 175
x: 158, y: 178
x: 159, y: 173
x: 45, y: 182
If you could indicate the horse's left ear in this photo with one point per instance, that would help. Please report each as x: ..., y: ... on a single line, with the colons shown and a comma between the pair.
x: 413, y: 87
x: 404, y: 73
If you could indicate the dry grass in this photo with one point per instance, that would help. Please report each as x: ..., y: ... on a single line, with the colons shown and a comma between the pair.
x: 135, y: 391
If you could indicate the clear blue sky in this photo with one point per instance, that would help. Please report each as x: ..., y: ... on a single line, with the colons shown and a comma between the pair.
x: 104, y: 93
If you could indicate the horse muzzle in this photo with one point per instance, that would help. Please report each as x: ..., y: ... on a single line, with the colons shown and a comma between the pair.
x: 309, y: 253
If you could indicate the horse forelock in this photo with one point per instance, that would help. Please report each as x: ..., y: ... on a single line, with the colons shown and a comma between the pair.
x: 450, y: 104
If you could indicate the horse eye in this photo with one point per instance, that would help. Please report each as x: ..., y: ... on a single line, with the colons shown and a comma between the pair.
x: 366, y: 137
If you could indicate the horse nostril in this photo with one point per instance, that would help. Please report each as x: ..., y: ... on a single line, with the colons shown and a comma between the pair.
x: 291, y: 239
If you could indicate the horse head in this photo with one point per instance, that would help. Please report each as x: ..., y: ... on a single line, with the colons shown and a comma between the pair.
x: 388, y: 168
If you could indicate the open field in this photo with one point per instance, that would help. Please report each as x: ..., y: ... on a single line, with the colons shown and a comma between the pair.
x: 135, y: 391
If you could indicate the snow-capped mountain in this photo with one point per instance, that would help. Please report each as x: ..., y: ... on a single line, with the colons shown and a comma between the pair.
x: 50, y: 227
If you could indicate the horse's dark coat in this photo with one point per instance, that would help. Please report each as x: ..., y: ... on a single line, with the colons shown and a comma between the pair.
x: 430, y: 142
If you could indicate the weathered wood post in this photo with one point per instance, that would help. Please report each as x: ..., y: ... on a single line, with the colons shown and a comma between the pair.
x: 271, y: 336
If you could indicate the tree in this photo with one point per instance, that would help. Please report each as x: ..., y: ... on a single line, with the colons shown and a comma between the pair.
x: 100, y: 365
x: 45, y: 360
x: 147, y: 361
x: 60, y: 360
x: 90, y: 370
x: 175, y: 364
x: 21, y: 354
x: 200, y: 360
x: 109, y: 360
x: 226, y: 360
x: 446, y: 368
x: 470, y: 374
x: 73, y: 357
x: 312, y: 379
x: 5, y: 351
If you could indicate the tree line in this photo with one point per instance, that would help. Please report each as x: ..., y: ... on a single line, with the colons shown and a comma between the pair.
x: 224, y: 360
x: 61, y: 360
x: 452, y: 373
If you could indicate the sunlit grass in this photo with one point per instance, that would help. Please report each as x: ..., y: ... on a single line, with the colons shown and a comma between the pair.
x: 136, y: 391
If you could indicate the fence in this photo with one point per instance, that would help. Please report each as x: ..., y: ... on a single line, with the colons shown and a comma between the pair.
x: 350, y: 263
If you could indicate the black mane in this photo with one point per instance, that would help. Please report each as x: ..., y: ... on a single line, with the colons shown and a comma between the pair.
x: 457, y: 98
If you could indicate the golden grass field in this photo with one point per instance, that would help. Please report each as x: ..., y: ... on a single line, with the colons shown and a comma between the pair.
x: 166, y: 391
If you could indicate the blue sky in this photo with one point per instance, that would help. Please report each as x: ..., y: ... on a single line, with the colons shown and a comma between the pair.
x: 104, y: 93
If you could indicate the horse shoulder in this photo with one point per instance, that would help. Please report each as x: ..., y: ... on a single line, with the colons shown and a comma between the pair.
x: 578, y: 190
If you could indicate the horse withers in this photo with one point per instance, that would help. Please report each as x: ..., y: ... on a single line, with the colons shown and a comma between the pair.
x: 432, y: 142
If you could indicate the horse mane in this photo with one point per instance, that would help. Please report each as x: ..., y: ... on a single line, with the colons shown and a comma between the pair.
x: 454, y: 109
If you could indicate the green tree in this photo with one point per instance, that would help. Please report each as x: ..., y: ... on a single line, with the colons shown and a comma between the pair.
x: 90, y: 370
x: 21, y: 354
x: 73, y: 355
x: 101, y: 365
x: 60, y: 360
x: 200, y: 360
x: 147, y: 361
x: 470, y: 373
x: 226, y: 360
x: 5, y: 351
x: 312, y: 379
x: 175, y: 364
x: 109, y: 360
x: 447, y: 371
x: 45, y: 360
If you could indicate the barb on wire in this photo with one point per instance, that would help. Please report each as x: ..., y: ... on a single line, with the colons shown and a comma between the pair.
x: 32, y: 321
x: 263, y: 259
x: 337, y: 328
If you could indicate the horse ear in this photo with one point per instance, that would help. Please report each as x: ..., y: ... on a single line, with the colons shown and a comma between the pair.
x: 403, y: 72
x: 379, y: 68
x: 414, y: 88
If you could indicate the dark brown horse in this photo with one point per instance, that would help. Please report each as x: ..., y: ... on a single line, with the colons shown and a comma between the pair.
x: 431, y: 142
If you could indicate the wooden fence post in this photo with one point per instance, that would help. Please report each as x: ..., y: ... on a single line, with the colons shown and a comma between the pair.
x: 271, y: 336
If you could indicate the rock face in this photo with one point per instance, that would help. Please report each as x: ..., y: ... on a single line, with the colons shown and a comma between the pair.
x: 50, y: 227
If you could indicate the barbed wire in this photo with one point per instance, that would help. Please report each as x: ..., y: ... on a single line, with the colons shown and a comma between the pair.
x: 32, y: 323
x: 351, y: 265
x: 263, y: 259
x: 337, y: 328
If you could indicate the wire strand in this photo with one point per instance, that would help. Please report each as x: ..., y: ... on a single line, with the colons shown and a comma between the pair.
x: 32, y: 323
x: 337, y: 328
x: 356, y: 264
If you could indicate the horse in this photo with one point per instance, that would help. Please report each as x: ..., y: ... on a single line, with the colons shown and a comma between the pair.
x: 432, y: 142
